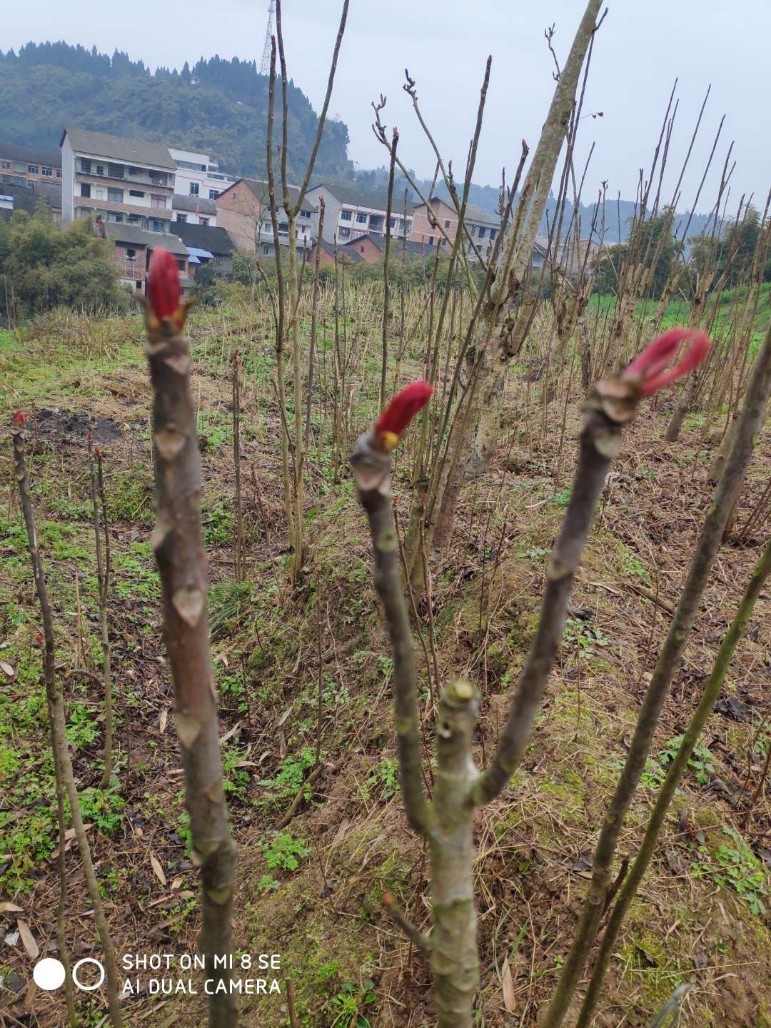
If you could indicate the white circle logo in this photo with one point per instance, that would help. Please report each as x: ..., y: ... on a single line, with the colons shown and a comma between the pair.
x: 48, y: 974
x: 80, y: 963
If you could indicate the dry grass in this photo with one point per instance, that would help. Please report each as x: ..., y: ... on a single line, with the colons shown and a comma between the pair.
x: 325, y: 918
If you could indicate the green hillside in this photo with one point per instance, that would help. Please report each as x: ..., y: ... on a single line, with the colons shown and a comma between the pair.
x: 217, y: 106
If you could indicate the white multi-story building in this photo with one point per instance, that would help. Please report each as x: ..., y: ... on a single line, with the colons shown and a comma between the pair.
x: 349, y: 215
x: 126, y: 181
x: 200, y: 181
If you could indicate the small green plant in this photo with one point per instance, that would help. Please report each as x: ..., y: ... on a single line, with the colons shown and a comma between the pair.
x: 733, y: 865
x: 350, y: 1003
x: 583, y: 636
x: 386, y: 777
x: 289, y: 779
x: 217, y: 523
x: 103, y: 807
x: 267, y: 883
x: 634, y: 566
x: 228, y: 603
x: 562, y: 498
x: 82, y: 728
x: 536, y: 553
x: 236, y: 776
x: 282, y: 851
x: 700, y: 763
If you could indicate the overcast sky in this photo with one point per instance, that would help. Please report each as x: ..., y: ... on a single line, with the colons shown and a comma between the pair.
x: 642, y: 47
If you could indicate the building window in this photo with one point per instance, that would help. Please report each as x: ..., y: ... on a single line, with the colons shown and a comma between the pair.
x: 85, y: 189
x: 305, y: 214
x: 116, y: 217
x: 48, y: 172
x: 115, y: 195
x: 182, y: 218
x: 116, y: 171
x: 392, y: 222
x: 447, y: 223
x: 204, y: 221
x: 85, y: 167
x: 181, y: 264
x: 345, y: 215
x: 213, y: 194
x: 265, y: 249
x: 344, y: 233
x: 493, y: 233
x: 131, y: 255
x: 100, y: 170
x: 134, y: 219
x: 158, y: 202
x: 430, y: 240
x: 58, y: 172
x: 194, y: 188
x: 137, y: 192
x: 6, y: 164
x: 33, y: 169
x: 361, y: 219
x: 481, y: 232
x: 157, y: 226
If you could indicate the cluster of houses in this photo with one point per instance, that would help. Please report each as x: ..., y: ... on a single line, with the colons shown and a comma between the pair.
x: 144, y: 195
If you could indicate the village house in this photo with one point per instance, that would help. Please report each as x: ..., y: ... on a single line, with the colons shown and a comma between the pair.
x: 20, y: 165
x: 126, y: 181
x: 243, y: 209
x: 198, y: 175
x: 207, y: 245
x: 481, y: 227
x: 570, y: 258
x: 193, y: 210
x: 371, y: 249
x: 349, y: 214
x: 29, y: 197
x: 134, y: 248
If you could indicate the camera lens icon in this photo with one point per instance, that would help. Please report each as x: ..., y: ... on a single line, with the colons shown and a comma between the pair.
x: 48, y: 974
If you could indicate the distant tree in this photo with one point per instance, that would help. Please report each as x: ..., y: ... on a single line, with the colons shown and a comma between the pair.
x: 47, y: 266
x: 653, y: 244
x: 218, y: 105
x: 733, y: 251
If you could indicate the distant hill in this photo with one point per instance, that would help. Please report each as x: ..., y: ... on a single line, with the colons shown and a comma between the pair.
x: 217, y: 106
x: 618, y: 214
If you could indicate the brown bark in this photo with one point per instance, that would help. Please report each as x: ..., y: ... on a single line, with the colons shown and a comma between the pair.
x: 182, y: 566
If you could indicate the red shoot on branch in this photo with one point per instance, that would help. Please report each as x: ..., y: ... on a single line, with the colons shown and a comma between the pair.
x: 649, y: 368
x: 19, y: 418
x: 400, y: 412
x: 163, y: 284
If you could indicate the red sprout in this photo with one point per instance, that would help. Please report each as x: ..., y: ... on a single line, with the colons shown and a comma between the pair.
x: 649, y: 368
x: 400, y: 412
x: 163, y: 284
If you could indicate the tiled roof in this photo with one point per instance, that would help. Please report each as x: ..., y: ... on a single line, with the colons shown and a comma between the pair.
x: 413, y: 250
x: 31, y: 154
x: 204, y: 237
x: 260, y: 191
x: 473, y: 213
x: 181, y: 202
x: 26, y: 198
x: 133, y: 234
x: 117, y: 148
x: 373, y: 202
